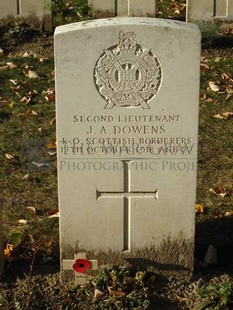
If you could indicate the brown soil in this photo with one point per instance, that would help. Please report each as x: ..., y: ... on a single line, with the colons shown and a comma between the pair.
x: 17, y: 41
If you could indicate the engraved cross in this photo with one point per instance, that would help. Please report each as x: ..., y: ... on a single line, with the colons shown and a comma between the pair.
x: 127, y: 194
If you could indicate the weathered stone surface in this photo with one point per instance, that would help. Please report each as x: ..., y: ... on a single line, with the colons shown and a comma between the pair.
x: 127, y: 117
x: 7, y: 8
x: 103, y: 7
x: 36, y: 12
x: 137, y: 8
x: 38, y: 8
x: 142, y: 8
x: 122, y: 8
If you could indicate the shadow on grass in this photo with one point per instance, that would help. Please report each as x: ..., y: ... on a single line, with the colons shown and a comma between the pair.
x: 219, y: 233
x: 19, y: 270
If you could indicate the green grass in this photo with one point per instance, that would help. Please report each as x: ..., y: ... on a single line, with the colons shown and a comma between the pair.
x: 39, y: 189
x: 215, y: 143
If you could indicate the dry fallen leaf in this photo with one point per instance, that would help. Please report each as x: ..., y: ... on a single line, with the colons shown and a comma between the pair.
x: 29, y: 54
x: 8, y: 65
x: 54, y: 215
x: 49, y: 94
x: 115, y: 293
x: 52, y: 153
x: 52, y: 144
x: 228, y: 213
x: 53, y: 211
x: 22, y: 222
x: 217, y: 215
x: 11, y: 104
x: 219, y: 191
x: 32, y: 74
x: 31, y: 210
x: 53, y: 121
x: 229, y: 31
x: 204, y: 59
x: 50, y: 97
x: 199, y: 208
x: 32, y: 240
x: 204, y: 67
x: 26, y: 177
x: 43, y: 59
x: 18, y: 91
x: 219, y: 116
x: 26, y: 99
x: 9, y: 156
x: 11, y: 65
x: 98, y: 294
x: 214, y: 87
x: 208, y: 99
x: 8, y: 250
x: 229, y: 96
x: 15, y: 82
x: 29, y: 112
x: 225, y: 76
x: 225, y: 115
x: 48, y: 243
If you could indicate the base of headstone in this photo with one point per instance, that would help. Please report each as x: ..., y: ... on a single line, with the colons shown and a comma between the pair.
x: 44, y: 24
x: 101, y: 14
x: 47, y: 23
x: 102, y: 9
x: 158, y: 260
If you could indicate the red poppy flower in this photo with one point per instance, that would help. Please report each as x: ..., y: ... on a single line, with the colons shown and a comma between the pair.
x: 81, y: 265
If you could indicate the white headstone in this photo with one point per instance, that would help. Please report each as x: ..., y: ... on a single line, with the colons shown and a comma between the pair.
x: 204, y: 10
x: 25, y: 8
x: 142, y: 8
x: 124, y: 7
x: 127, y: 117
x: 7, y: 8
x: 230, y: 9
x: 102, y: 7
x: 34, y: 7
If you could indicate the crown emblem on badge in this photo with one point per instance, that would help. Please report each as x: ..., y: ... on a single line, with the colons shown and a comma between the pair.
x: 126, y: 75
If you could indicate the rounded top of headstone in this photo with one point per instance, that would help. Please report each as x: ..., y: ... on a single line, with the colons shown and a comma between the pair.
x: 121, y: 21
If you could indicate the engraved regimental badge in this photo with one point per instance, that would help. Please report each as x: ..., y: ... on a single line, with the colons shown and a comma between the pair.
x: 127, y: 75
